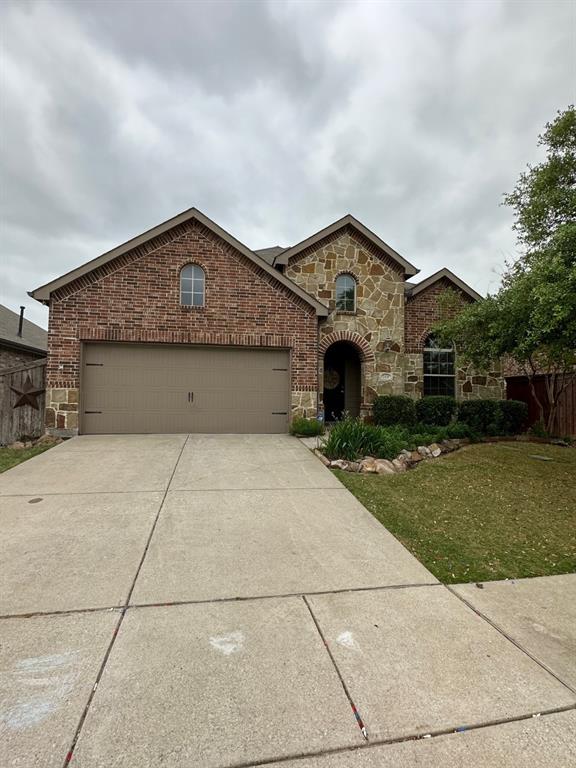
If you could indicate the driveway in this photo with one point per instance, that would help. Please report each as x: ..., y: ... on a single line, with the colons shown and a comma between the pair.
x: 222, y: 601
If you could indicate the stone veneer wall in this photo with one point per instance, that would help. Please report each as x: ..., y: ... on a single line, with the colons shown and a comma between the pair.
x: 377, y: 326
x: 136, y: 298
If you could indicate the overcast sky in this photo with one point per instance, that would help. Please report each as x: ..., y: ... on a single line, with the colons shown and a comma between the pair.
x: 274, y: 119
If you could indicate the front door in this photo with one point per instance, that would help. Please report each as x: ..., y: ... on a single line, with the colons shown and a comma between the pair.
x: 334, y: 386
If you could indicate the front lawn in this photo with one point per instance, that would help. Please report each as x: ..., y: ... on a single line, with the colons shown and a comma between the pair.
x: 488, y: 511
x: 9, y: 457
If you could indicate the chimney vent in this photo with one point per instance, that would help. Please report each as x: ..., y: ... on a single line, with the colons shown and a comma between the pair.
x: 21, y: 322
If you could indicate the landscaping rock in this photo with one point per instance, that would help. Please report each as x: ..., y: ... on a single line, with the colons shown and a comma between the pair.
x: 353, y: 466
x: 385, y: 467
x: 16, y: 445
x: 368, y: 465
x: 322, y: 458
x: 404, y: 453
x: 399, y: 465
x: 339, y: 464
x: 435, y: 450
x: 423, y: 451
x: 415, y: 457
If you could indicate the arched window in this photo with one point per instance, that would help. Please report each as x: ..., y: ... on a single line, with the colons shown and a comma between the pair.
x: 439, y: 374
x: 192, y: 280
x: 345, y: 293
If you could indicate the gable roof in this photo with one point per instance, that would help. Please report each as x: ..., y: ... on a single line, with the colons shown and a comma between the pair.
x: 42, y: 293
x: 348, y: 220
x: 413, y: 290
x: 33, y: 337
x: 269, y: 254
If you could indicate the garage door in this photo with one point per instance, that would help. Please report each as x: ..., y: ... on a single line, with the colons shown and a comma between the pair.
x: 138, y: 388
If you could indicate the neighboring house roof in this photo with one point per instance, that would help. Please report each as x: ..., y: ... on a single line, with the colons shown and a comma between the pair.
x: 34, y: 338
x: 414, y: 290
x: 269, y: 254
x: 348, y: 220
x: 42, y: 293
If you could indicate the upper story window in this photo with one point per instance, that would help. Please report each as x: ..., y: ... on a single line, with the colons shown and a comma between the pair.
x: 345, y: 293
x: 192, y: 279
x: 439, y: 373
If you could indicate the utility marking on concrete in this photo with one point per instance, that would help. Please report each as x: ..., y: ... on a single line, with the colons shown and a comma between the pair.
x: 357, y: 717
x: 42, y: 683
x: 346, y: 640
x: 228, y: 644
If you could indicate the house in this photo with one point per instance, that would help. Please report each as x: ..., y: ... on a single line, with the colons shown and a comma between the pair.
x: 185, y: 329
x: 20, y: 340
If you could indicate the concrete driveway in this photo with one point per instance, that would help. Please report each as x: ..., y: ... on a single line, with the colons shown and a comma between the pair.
x: 222, y: 601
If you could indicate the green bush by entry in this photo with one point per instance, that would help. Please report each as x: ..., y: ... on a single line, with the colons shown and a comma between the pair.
x: 353, y: 439
x: 306, y: 427
x: 436, y: 409
x: 388, y: 410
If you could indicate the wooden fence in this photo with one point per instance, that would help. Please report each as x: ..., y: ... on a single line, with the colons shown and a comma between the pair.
x: 518, y: 388
x: 22, y: 401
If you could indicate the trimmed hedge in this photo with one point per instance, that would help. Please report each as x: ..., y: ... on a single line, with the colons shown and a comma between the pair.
x: 388, y: 410
x: 437, y: 410
x: 513, y: 416
x: 494, y: 417
x: 481, y: 415
x: 306, y: 427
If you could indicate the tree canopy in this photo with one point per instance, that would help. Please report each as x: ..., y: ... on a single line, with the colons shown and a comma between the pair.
x: 531, y: 320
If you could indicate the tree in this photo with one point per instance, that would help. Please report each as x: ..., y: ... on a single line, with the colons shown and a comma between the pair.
x: 531, y: 320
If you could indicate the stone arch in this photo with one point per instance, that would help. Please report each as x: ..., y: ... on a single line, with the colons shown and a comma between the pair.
x: 362, y: 346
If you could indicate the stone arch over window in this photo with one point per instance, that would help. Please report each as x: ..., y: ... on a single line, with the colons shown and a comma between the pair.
x: 192, y: 286
x: 363, y: 347
x: 439, y: 368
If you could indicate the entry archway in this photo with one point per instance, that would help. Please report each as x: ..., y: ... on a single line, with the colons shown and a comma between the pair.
x: 342, y: 381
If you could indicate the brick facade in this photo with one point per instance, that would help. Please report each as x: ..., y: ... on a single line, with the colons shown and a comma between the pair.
x: 136, y: 298
x: 422, y: 311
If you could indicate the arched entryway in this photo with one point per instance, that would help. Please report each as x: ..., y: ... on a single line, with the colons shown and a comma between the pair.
x: 342, y: 381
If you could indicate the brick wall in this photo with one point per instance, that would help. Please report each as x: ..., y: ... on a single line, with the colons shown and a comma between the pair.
x: 136, y: 299
x: 422, y: 312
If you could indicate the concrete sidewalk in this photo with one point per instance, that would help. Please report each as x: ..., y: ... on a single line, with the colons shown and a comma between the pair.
x: 233, y: 603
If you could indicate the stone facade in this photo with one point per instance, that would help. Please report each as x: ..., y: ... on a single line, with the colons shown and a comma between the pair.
x: 62, y: 411
x: 376, y: 328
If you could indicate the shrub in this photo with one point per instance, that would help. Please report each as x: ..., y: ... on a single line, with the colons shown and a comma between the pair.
x: 394, y: 409
x: 352, y: 439
x: 437, y: 410
x: 459, y: 431
x: 513, y: 416
x: 482, y: 416
x: 306, y: 427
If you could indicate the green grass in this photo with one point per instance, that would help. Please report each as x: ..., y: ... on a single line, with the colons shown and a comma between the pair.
x: 9, y: 457
x: 486, y: 512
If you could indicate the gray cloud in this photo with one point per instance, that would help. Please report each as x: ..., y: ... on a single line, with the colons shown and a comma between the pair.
x: 274, y: 119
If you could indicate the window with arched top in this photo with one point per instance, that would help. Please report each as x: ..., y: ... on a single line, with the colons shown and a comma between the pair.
x: 345, y: 293
x: 439, y: 368
x: 192, y: 286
